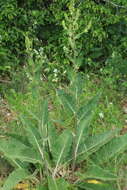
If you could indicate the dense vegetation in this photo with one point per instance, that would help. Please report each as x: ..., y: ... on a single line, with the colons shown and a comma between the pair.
x: 63, y: 110
x: 86, y: 35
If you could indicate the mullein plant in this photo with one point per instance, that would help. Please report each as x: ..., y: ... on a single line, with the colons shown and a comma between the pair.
x: 74, y: 29
x: 71, y: 159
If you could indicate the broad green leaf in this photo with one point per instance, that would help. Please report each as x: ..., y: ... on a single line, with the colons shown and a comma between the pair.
x: 85, y: 116
x: 15, y: 177
x: 43, y: 119
x: 52, y: 135
x: 42, y: 187
x: 93, y: 143
x: 100, y: 139
x: 20, y: 138
x: 93, y: 186
x: 77, y: 85
x: 62, y: 147
x: 16, y: 163
x: 111, y: 149
x: 35, y: 140
x: 88, y: 108
x: 57, y: 184
x: 25, y: 120
x: 96, y: 172
x: 20, y: 164
x: 31, y: 130
x: 52, y: 185
x: 38, y: 143
x: 33, y: 136
x: 15, y: 149
x: 81, y: 134
x: 67, y: 101
x: 62, y: 184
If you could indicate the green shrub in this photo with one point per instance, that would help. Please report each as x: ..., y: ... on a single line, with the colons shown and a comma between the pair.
x: 83, y: 34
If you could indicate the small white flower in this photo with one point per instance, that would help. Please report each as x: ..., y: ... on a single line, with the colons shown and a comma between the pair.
x: 88, y: 76
x: 55, y: 70
x: 110, y: 103
x: 125, y: 109
x: 54, y: 80
x: 126, y: 121
x: 101, y: 115
x: 0, y: 38
x: 36, y: 52
x: 55, y: 74
x: 8, y: 114
x: 41, y: 49
x: 64, y: 72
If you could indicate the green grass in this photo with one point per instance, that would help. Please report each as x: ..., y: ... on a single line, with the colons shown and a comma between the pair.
x: 109, y: 113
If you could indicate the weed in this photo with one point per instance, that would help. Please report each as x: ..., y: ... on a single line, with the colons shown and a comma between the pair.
x: 72, y: 158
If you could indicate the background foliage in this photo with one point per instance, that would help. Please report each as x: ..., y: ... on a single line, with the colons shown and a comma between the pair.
x: 89, y: 34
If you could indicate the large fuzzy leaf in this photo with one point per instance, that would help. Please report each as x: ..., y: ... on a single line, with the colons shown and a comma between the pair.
x: 15, y: 177
x: 93, y: 143
x: 32, y: 132
x: 39, y: 144
x: 76, y: 85
x: 92, y: 186
x: 87, y: 108
x: 15, y: 149
x: 52, y: 136
x: 43, y: 119
x: 52, y: 185
x: 68, y: 101
x: 61, y: 148
x: 81, y: 134
x: 39, y: 147
x: 33, y: 136
x: 96, y: 172
x: 111, y: 149
x: 19, y: 137
x: 85, y: 116
x: 56, y: 184
x: 62, y: 184
x: 41, y: 186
